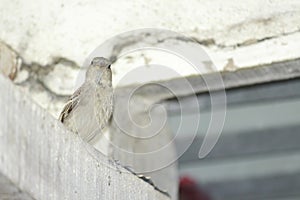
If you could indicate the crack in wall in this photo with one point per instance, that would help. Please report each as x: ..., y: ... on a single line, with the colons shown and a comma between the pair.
x: 132, y: 40
x: 210, y: 42
x: 37, y: 72
x: 266, y: 38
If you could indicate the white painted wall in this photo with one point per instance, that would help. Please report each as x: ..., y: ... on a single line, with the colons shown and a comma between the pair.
x: 250, y: 32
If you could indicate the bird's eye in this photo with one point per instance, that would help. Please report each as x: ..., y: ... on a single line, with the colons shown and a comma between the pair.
x: 108, y: 66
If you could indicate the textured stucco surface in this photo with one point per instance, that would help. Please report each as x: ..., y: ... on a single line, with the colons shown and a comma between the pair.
x: 53, y: 41
x: 243, y: 31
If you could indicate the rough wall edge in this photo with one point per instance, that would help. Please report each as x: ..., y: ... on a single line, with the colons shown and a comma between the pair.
x: 48, y: 162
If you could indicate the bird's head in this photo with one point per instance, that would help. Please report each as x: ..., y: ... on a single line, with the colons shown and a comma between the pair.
x: 99, y: 71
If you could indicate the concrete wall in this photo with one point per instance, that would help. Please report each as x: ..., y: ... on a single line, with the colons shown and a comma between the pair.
x: 54, y: 41
x: 71, y: 29
x: 48, y: 162
x: 43, y: 46
x: 8, y: 190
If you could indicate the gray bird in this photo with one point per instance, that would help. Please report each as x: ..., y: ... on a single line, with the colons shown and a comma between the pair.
x: 90, y: 108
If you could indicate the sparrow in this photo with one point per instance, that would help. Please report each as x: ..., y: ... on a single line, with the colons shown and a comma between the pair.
x: 89, y: 110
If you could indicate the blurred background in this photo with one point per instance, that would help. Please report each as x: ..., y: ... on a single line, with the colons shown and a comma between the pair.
x: 257, y: 154
x: 254, y: 46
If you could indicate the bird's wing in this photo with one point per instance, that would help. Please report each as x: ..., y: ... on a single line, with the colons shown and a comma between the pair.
x: 71, y: 104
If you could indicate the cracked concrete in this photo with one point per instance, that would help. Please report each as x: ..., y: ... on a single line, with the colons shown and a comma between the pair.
x: 255, y: 30
x: 44, y: 47
x: 43, y: 54
x: 48, y: 85
x: 241, y: 32
x: 10, y: 62
x: 73, y: 29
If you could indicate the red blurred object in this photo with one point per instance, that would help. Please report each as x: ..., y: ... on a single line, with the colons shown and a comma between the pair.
x: 190, y: 190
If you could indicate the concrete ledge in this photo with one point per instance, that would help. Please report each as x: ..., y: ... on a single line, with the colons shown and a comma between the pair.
x: 48, y: 162
x: 9, y: 191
